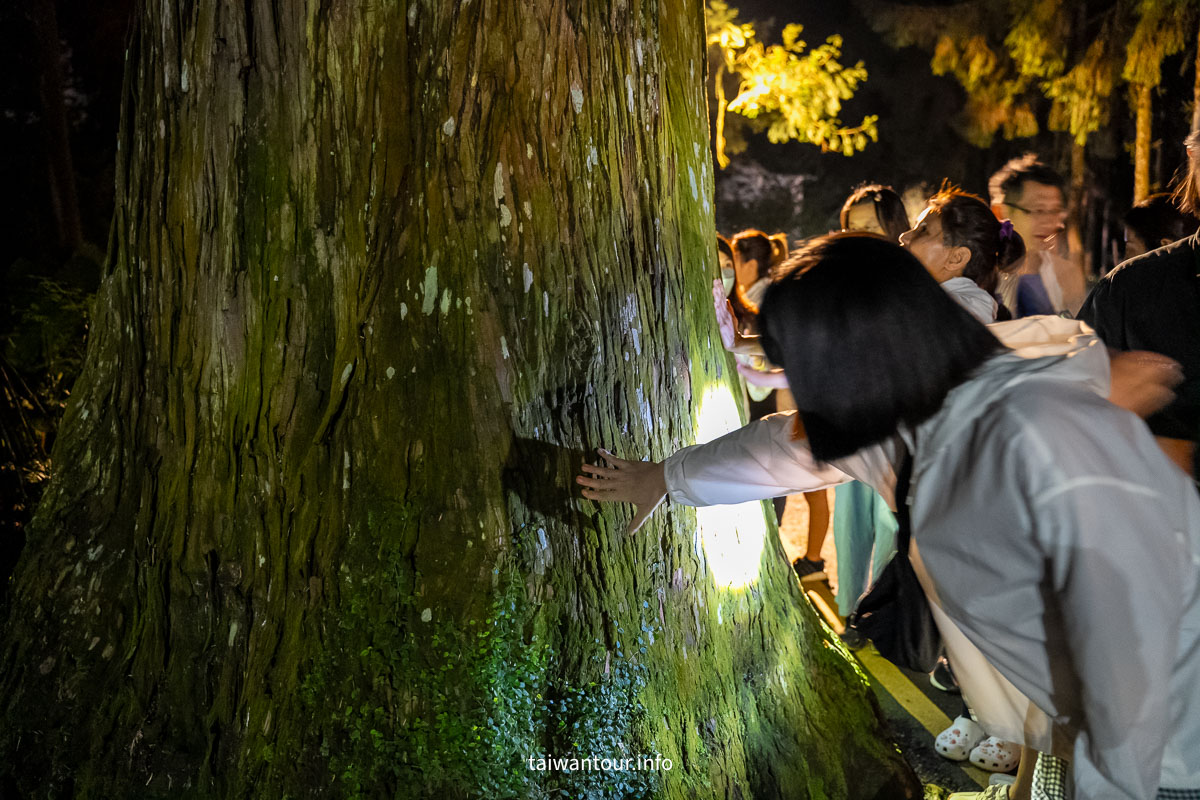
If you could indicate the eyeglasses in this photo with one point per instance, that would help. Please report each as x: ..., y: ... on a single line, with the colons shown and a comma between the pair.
x: 1039, y: 212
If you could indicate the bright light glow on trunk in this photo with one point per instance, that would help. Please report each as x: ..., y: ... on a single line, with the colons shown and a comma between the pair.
x: 733, y: 535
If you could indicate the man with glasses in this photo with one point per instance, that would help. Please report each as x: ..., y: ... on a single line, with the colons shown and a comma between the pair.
x: 1152, y: 302
x: 1030, y: 194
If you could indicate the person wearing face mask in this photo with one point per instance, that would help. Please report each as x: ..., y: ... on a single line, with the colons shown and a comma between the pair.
x: 754, y: 254
x: 725, y: 259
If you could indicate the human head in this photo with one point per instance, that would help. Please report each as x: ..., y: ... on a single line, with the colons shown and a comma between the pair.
x: 752, y: 252
x: 1187, y: 194
x: 1154, y: 222
x: 874, y: 208
x: 867, y: 339
x: 958, y: 235
x: 1030, y: 193
x: 725, y: 259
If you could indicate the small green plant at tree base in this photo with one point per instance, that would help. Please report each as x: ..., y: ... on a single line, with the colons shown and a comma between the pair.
x: 792, y: 94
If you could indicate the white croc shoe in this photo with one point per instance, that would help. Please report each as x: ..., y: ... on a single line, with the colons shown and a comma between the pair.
x: 957, y: 741
x: 995, y: 755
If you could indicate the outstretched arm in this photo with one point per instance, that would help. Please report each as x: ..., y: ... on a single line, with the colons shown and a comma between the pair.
x: 756, y: 462
x: 771, y: 379
x: 1143, y: 382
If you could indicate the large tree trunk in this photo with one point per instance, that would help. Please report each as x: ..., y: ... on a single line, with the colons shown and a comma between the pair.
x: 1141, y: 143
x: 380, y: 276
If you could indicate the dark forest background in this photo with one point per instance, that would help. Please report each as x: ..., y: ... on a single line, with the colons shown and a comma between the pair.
x: 919, y: 142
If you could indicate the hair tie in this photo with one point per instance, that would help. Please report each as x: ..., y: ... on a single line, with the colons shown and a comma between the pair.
x: 1006, y: 229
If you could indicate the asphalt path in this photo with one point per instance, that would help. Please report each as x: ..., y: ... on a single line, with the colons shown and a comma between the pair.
x: 914, y: 710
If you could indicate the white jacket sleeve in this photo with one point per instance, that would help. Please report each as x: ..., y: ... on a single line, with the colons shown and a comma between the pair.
x: 762, y: 460
x: 755, y: 462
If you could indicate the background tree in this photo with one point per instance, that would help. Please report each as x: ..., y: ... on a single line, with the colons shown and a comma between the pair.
x: 1015, y: 56
x: 310, y: 531
x: 791, y: 94
x: 1160, y: 30
x: 62, y: 172
x: 1033, y: 64
x: 968, y: 45
x: 1196, y: 82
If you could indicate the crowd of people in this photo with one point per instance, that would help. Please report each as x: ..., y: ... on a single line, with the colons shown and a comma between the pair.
x: 1046, y: 435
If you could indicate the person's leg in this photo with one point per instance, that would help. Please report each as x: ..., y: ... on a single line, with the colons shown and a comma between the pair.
x: 884, y: 534
x: 853, y: 538
x: 1022, y: 788
x: 818, y: 522
x: 810, y: 565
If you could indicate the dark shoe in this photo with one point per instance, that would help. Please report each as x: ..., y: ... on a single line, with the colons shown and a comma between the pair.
x: 853, y: 639
x: 942, y: 677
x: 811, y: 570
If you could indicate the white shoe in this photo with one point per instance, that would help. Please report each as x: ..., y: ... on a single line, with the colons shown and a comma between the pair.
x: 957, y: 741
x: 996, y: 755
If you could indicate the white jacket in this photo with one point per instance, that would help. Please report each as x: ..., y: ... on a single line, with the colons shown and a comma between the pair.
x: 1052, y: 532
x: 978, y: 303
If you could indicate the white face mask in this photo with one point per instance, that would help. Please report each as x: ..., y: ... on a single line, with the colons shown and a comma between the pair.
x: 728, y: 277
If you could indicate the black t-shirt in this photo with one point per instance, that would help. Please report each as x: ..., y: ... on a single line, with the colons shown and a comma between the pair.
x: 1152, y: 302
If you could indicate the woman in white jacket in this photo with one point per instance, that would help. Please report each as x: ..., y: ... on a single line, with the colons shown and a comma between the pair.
x: 1034, y: 502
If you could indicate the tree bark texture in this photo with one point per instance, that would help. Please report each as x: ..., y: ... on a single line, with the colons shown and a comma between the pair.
x: 381, y: 276
x: 1141, y: 144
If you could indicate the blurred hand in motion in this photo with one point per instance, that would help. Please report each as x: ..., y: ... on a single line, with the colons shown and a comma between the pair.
x: 642, y: 483
x: 1142, y: 382
x: 725, y: 320
x: 772, y: 379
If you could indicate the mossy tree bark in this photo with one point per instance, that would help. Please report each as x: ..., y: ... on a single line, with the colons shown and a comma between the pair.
x: 380, y: 275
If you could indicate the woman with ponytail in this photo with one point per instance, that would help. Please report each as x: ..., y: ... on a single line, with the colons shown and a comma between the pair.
x: 965, y: 248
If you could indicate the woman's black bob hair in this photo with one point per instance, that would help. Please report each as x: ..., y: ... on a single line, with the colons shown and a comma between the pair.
x: 868, y: 340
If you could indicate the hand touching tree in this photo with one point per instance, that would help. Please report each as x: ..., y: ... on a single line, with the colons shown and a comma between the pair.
x: 642, y: 483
